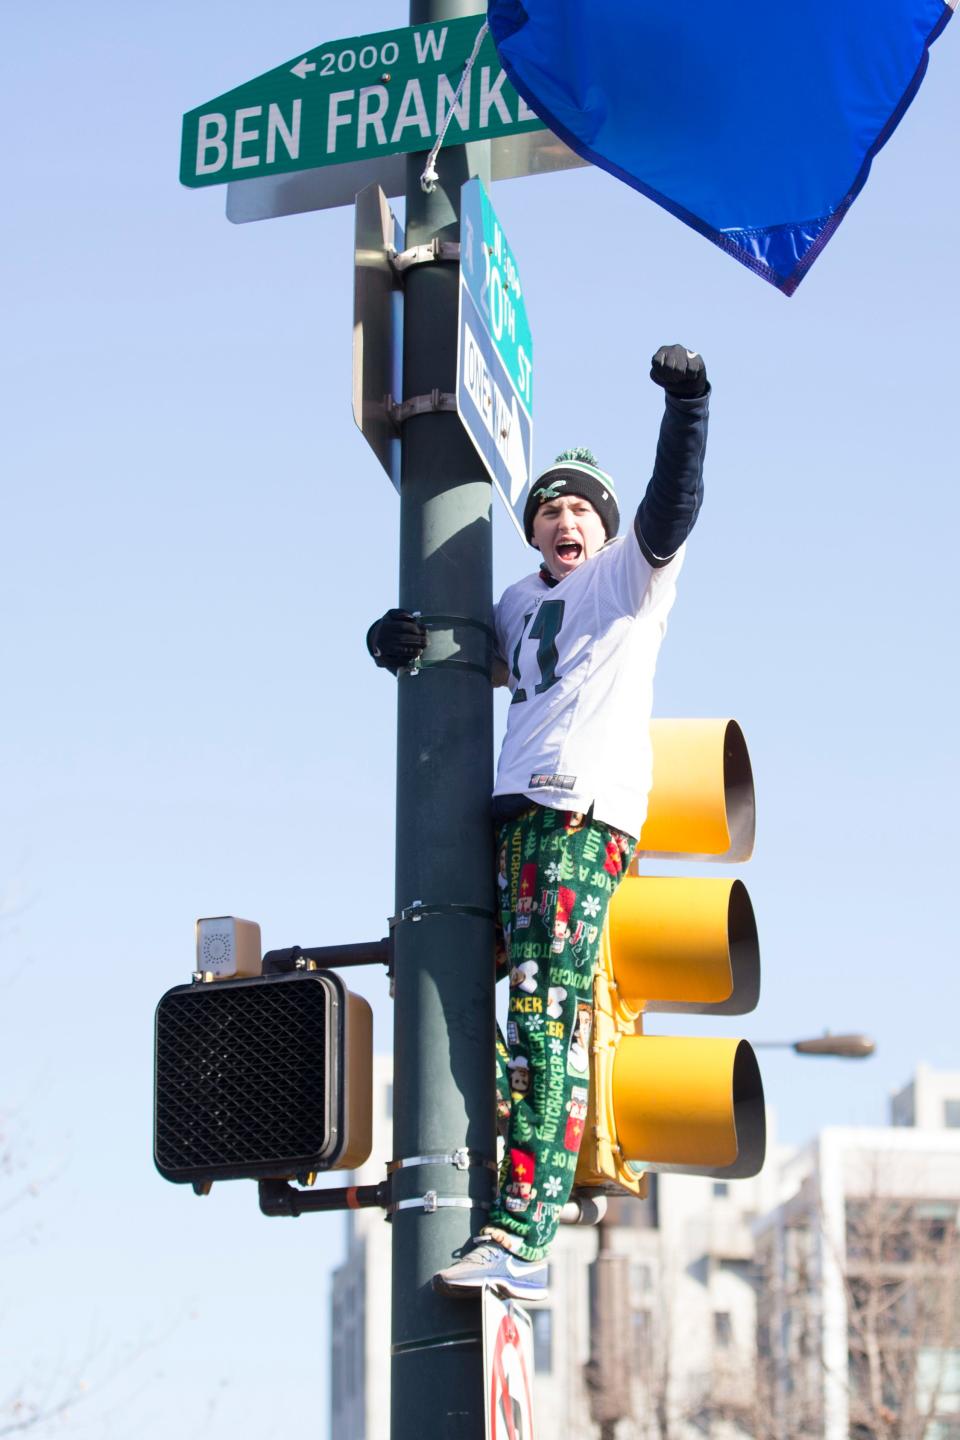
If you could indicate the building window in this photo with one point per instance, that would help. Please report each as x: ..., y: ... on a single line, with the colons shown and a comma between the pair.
x: 944, y: 1430
x: 951, y: 1114
x: 935, y: 1222
x: 722, y: 1329
x: 542, y: 1341
x: 938, y: 1389
x: 642, y: 1335
x: 641, y: 1278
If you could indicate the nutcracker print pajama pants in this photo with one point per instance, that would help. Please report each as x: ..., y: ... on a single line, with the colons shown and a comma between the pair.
x: 556, y: 874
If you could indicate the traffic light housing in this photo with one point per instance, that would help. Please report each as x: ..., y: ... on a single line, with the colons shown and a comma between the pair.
x: 262, y: 1076
x: 692, y: 1105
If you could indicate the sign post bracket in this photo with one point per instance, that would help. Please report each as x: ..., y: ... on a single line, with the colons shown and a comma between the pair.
x: 436, y: 249
x: 399, y: 411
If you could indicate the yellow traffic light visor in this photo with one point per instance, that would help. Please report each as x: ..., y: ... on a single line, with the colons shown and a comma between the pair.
x: 701, y: 805
x: 689, y: 1105
x: 675, y: 944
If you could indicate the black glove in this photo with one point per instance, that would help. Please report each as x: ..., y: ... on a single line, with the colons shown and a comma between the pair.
x: 680, y: 371
x: 396, y: 640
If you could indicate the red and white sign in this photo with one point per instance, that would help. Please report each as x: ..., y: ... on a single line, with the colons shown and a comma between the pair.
x: 507, y: 1369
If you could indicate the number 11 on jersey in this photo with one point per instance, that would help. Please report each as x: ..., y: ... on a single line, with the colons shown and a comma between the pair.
x: 545, y: 629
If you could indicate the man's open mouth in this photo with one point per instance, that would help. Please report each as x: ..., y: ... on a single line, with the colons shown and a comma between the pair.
x: 569, y: 550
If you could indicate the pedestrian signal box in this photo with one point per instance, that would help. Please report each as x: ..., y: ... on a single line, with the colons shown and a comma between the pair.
x: 693, y: 1105
x: 266, y: 1076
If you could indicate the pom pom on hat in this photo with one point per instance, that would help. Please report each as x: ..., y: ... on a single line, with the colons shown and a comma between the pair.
x: 579, y: 452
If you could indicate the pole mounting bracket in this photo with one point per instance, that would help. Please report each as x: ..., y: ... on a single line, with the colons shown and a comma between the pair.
x: 416, y: 911
x: 402, y: 410
x: 430, y: 1202
x: 434, y: 250
x: 453, y: 623
x: 461, y: 1159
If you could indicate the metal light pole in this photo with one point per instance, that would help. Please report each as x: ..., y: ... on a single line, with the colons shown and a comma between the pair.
x: 608, y: 1371
x: 444, y: 986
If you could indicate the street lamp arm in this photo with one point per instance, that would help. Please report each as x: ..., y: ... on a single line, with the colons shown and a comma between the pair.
x: 846, y: 1047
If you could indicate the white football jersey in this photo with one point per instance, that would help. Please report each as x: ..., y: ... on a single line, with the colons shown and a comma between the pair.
x: 581, y: 657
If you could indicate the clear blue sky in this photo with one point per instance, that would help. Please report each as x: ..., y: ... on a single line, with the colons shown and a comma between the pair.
x: 194, y: 541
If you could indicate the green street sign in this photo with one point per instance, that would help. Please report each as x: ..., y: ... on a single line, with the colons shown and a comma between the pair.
x: 358, y: 99
x: 489, y: 270
x: 494, y: 351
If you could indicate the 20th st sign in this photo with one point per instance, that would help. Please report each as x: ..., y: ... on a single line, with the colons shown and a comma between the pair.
x: 354, y: 100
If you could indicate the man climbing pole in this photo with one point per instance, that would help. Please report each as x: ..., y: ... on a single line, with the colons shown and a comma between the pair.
x: 577, y: 644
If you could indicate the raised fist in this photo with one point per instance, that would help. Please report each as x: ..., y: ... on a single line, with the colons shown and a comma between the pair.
x: 679, y: 371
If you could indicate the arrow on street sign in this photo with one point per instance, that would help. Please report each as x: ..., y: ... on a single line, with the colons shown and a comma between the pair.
x: 494, y: 352
x: 353, y: 100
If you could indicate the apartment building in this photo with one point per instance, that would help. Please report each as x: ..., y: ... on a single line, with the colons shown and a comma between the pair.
x: 858, y: 1278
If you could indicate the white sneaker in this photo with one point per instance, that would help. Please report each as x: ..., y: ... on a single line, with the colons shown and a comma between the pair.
x: 488, y: 1263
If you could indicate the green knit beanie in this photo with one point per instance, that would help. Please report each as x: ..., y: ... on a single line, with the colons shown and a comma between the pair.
x: 574, y: 472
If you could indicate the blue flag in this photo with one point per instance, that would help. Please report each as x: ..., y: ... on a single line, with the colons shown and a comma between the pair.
x: 756, y: 123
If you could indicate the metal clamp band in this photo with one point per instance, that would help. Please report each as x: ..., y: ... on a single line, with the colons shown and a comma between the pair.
x: 419, y: 405
x: 445, y: 620
x: 451, y: 664
x: 416, y: 910
x: 431, y: 1202
x: 438, y: 1342
x: 461, y: 1159
x: 435, y: 249
x: 453, y: 623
